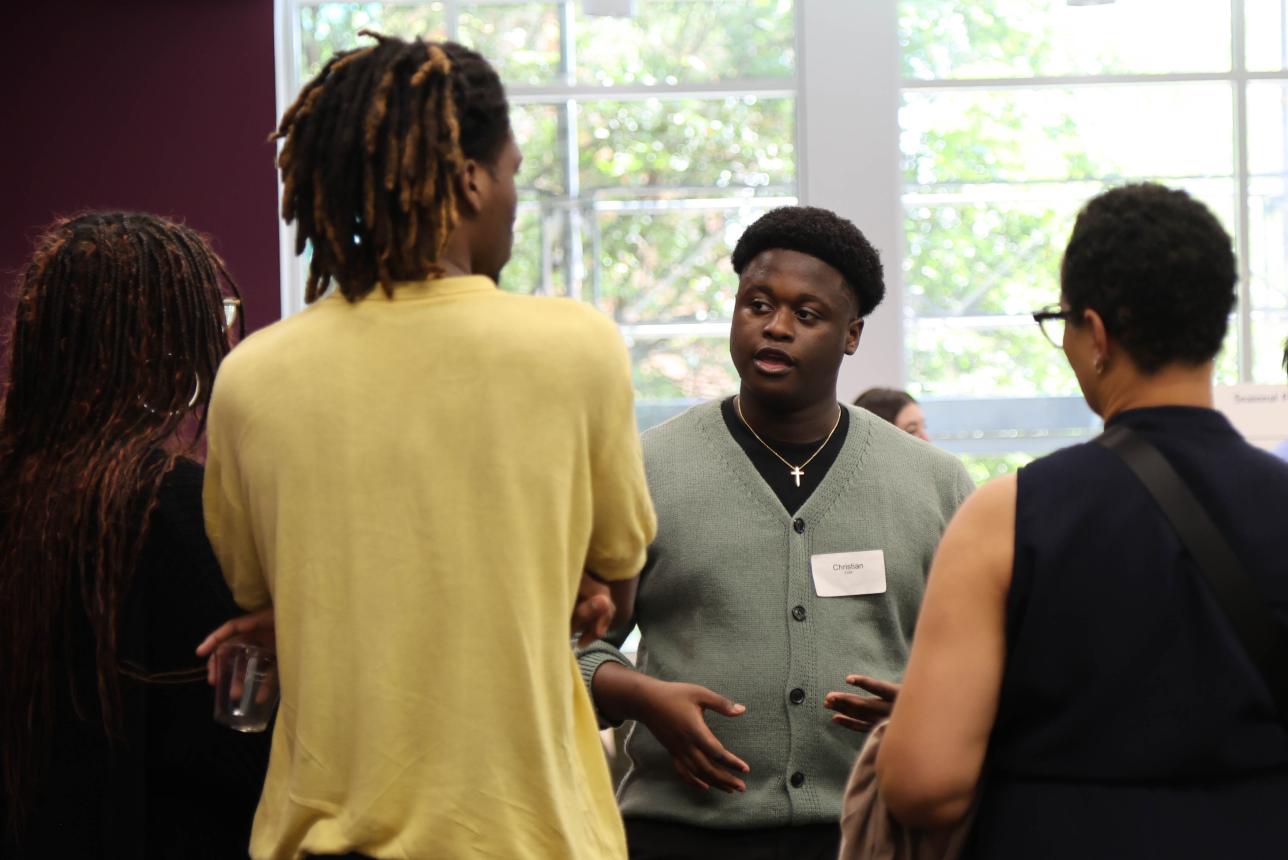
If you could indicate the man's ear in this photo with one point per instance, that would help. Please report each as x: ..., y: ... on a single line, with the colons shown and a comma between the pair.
x: 852, y: 335
x: 470, y: 187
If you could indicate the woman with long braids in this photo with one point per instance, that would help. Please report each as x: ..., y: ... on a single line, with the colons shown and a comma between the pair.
x: 107, y: 581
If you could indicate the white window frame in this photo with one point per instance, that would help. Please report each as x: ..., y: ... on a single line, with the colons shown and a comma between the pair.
x: 567, y: 92
x: 848, y: 87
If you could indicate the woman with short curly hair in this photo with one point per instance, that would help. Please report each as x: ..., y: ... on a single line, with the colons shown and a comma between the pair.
x: 1070, y: 649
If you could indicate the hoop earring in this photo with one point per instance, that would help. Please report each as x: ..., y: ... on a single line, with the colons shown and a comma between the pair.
x: 192, y: 401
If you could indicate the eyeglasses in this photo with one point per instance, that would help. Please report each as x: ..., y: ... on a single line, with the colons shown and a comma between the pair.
x: 1051, y: 320
x: 232, y: 309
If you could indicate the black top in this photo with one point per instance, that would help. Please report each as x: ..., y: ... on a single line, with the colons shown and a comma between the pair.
x: 778, y: 476
x: 1131, y: 723
x: 177, y: 785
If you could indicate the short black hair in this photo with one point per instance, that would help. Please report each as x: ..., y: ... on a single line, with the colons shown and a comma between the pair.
x: 1159, y: 269
x: 823, y: 234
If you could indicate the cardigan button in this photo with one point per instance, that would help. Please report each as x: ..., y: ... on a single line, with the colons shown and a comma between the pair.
x: 798, y: 612
x: 798, y: 779
x: 797, y: 695
x: 799, y: 525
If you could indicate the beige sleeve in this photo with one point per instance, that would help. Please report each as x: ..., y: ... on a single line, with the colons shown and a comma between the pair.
x: 624, y: 521
x: 228, y: 524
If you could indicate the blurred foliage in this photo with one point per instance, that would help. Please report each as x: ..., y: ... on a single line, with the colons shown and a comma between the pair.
x: 523, y: 41
x: 683, y: 41
x: 742, y: 142
x: 949, y: 38
x: 663, y: 187
x: 967, y: 255
x: 695, y: 368
x: 329, y: 28
x: 1032, y: 38
x: 985, y: 467
x: 667, y: 266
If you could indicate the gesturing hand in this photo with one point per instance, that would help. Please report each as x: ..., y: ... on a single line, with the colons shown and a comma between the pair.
x: 673, y: 713
x: 861, y: 713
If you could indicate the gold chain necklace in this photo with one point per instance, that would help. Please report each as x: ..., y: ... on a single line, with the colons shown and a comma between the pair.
x: 797, y: 471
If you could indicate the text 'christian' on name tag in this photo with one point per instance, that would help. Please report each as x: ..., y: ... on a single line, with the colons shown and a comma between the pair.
x: 846, y: 574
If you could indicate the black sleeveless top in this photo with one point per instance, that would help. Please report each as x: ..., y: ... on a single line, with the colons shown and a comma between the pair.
x: 1131, y: 723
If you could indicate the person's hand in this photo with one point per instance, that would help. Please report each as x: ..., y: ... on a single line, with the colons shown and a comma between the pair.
x: 673, y: 713
x: 861, y: 713
x: 593, y: 612
x: 256, y: 628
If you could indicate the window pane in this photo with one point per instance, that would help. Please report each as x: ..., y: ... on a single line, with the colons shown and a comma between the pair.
x: 687, y: 41
x: 331, y: 27
x: 538, y: 132
x: 1267, y: 225
x: 1035, y: 38
x: 1154, y: 130
x: 990, y: 250
x: 537, y: 263
x: 730, y: 143
x: 1227, y: 360
x: 682, y: 368
x: 1267, y: 128
x: 1265, y: 46
x: 988, y: 358
x: 1269, y: 331
x: 668, y: 260
x: 663, y: 186
x: 1268, y: 241
x: 521, y: 40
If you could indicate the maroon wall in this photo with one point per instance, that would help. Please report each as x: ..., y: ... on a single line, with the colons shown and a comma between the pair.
x: 154, y: 105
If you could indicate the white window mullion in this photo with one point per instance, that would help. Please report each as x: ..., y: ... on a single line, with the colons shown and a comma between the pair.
x: 286, y: 31
x: 1242, y: 215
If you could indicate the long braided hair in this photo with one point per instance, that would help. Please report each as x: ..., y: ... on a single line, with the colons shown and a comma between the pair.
x: 373, y: 147
x: 118, y: 330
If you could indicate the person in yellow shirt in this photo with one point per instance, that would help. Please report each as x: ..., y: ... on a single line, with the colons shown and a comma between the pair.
x: 413, y: 473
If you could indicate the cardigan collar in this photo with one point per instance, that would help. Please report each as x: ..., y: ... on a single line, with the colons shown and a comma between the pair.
x: 842, y: 472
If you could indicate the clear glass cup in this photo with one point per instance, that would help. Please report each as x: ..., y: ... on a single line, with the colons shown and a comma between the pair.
x: 245, y: 686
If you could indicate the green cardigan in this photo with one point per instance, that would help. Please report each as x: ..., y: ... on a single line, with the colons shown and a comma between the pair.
x: 727, y: 601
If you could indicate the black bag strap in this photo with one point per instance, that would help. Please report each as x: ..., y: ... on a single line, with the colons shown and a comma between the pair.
x: 1234, y: 591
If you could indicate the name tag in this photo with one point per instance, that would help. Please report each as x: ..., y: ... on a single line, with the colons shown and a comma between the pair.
x: 845, y: 574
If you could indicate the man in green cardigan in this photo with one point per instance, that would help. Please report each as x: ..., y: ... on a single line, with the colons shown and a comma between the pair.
x: 794, y: 537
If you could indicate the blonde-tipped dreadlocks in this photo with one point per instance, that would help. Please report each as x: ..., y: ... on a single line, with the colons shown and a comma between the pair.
x: 373, y: 147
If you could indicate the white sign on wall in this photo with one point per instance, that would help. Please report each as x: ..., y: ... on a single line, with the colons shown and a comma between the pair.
x: 1259, y: 412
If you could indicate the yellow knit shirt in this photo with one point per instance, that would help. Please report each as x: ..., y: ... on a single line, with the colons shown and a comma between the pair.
x: 415, y: 484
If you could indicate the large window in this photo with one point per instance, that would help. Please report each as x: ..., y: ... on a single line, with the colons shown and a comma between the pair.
x: 1013, y: 113
x: 651, y: 140
x: 962, y: 137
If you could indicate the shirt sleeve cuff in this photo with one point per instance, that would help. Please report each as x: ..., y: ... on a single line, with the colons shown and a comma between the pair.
x: 616, y: 569
x: 589, y: 661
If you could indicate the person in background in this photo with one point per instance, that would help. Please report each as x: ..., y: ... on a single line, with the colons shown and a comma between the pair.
x: 107, y: 581
x: 1070, y: 652
x: 793, y: 543
x: 897, y: 407
x: 413, y: 473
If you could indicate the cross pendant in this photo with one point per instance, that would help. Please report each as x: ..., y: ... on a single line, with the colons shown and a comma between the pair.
x: 797, y: 472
